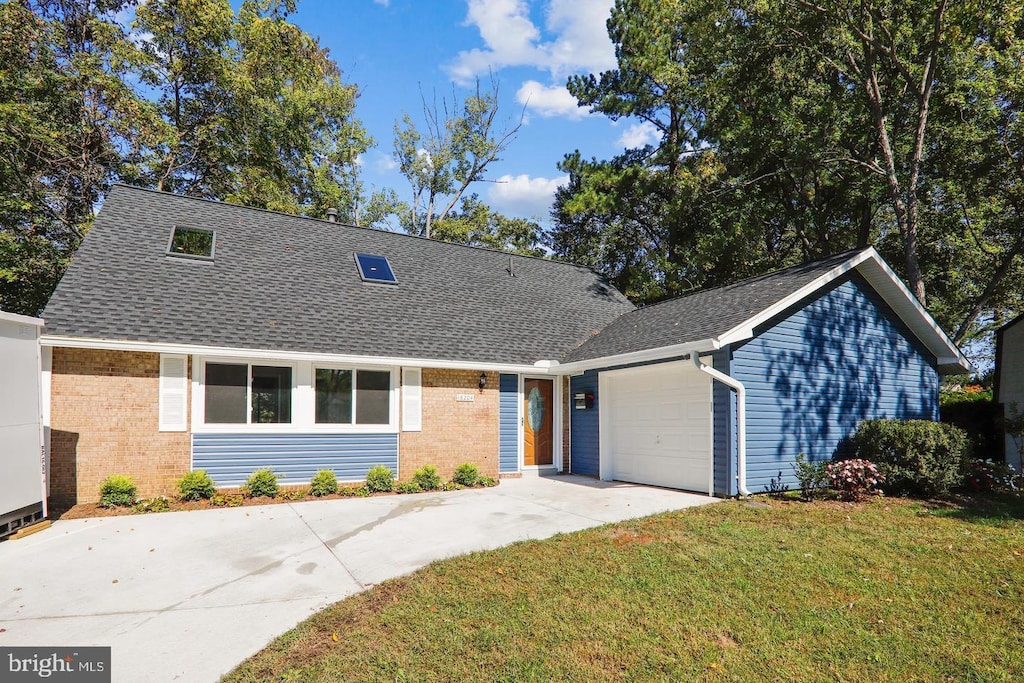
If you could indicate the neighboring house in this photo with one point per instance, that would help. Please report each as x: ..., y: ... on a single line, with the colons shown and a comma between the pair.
x: 190, y: 334
x: 1009, y: 382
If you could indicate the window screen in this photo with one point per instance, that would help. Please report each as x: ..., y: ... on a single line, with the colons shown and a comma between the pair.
x: 373, y: 397
x: 225, y: 393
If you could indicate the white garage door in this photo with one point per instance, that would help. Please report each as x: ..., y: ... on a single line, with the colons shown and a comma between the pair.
x: 656, y: 426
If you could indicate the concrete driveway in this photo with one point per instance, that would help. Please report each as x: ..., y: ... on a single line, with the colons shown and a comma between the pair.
x: 186, y: 596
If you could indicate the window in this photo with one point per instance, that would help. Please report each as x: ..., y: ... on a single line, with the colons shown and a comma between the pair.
x: 375, y: 269
x: 239, y: 393
x: 353, y: 396
x: 192, y: 243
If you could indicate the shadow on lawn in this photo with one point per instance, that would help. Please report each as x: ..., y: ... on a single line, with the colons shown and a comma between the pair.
x: 980, y: 508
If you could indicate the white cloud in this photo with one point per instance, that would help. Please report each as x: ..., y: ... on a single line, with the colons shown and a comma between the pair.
x: 524, y: 197
x: 383, y: 163
x: 549, y: 100
x: 382, y: 3
x: 579, y: 40
x: 639, y: 135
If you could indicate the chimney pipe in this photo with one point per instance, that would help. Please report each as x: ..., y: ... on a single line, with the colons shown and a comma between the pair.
x: 332, y: 215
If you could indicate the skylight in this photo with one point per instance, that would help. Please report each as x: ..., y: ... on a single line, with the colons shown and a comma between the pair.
x: 192, y: 243
x: 375, y: 269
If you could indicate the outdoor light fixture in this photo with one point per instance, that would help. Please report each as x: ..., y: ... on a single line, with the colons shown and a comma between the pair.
x: 482, y: 382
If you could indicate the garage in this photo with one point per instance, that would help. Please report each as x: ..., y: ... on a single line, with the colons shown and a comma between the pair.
x: 656, y: 426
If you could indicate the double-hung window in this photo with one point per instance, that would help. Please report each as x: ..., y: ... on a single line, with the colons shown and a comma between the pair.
x: 244, y: 393
x: 352, y: 396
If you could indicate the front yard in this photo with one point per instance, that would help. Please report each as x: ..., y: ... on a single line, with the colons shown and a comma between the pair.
x: 889, y: 590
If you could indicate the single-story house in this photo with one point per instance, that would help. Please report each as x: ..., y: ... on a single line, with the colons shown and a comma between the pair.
x: 1009, y: 379
x: 191, y: 334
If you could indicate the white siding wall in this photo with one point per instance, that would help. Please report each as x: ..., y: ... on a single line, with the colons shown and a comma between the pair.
x: 20, y: 413
x: 1011, y: 379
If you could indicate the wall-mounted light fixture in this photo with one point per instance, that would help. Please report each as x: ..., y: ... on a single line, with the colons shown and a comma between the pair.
x: 482, y: 382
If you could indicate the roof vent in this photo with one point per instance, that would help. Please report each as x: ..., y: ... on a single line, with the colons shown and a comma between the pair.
x: 511, y: 272
x: 332, y: 215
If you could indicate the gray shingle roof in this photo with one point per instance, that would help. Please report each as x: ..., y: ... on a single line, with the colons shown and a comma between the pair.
x: 702, y: 315
x: 286, y: 283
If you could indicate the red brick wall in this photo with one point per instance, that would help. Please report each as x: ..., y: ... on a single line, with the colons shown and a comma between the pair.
x: 104, y: 420
x: 454, y: 431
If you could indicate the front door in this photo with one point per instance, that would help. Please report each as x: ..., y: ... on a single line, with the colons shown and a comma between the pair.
x: 538, y: 407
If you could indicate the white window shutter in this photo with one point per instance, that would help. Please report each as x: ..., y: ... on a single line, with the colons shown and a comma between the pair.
x: 412, y: 400
x: 173, y: 393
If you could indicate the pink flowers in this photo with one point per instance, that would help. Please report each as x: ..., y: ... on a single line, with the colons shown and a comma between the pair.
x: 854, y: 479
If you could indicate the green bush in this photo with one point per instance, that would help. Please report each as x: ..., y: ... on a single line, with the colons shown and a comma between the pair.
x: 487, y: 481
x: 118, y: 490
x: 466, y: 474
x: 407, y: 487
x: 811, y: 475
x: 261, y: 483
x: 380, y: 479
x: 916, y: 457
x: 427, y: 478
x: 294, y: 494
x: 225, y: 500
x: 324, y: 483
x: 196, y: 486
x: 158, y: 504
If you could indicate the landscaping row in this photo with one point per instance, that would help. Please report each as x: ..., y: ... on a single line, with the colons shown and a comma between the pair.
x: 916, y: 458
x: 119, y: 491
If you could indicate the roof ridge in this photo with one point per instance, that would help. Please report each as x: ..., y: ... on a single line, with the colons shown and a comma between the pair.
x: 219, y: 202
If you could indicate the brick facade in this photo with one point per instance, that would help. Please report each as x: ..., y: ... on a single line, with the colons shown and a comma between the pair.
x: 104, y: 420
x: 454, y: 431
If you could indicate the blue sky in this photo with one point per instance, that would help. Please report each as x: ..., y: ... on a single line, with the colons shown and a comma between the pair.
x: 395, y: 49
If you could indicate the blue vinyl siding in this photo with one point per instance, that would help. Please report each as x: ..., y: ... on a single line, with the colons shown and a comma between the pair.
x: 586, y: 441
x: 295, y: 458
x: 508, y: 423
x: 723, y: 406
x: 813, y: 373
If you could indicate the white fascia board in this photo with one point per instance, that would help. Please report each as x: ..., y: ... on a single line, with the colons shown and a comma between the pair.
x: 745, y: 330
x: 264, y: 354
x: 22, y: 319
x: 660, y: 353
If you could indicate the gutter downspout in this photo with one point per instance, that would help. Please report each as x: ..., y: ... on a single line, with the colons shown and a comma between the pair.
x: 741, y: 419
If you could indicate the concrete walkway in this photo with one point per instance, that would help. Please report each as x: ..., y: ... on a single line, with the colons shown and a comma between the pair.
x: 186, y: 596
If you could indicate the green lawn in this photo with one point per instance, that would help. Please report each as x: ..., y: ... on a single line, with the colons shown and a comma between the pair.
x: 890, y: 590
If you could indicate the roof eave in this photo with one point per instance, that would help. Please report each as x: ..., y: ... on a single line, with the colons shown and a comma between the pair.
x: 642, y: 356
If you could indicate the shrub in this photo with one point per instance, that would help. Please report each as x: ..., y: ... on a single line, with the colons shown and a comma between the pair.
x: 261, y: 483
x: 986, y: 475
x: 487, y: 481
x: 324, y: 483
x: 812, y: 476
x: 294, y: 494
x: 427, y: 478
x: 854, y: 479
x: 408, y: 487
x: 158, y: 504
x: 225, y: 500
x: 916, y: 457
x: 380, y: 479
x: 466, y: 474
x: 117, y: 490
x: 196, y: 486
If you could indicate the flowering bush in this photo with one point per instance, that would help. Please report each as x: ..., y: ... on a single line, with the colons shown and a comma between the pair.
x: 854, y: 479
x: 986, y: 475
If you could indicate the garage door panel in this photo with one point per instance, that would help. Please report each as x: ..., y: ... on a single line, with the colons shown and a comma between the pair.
x: 659, y: 424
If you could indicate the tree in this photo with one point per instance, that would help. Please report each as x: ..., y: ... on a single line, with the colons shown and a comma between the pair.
x: 830, y: 125
x: 66, y: 115
x: 458, y: 143
x: 255, y: 111
x: 477, y: 224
